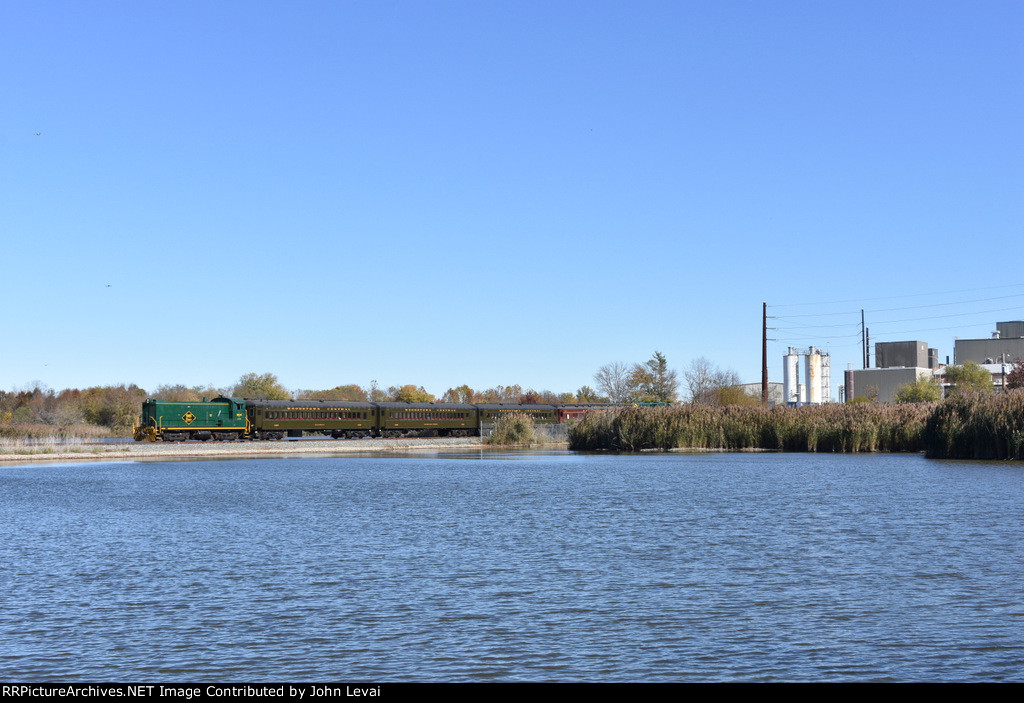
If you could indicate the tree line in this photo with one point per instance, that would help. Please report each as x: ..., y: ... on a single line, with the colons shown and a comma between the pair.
x: 117, y: 408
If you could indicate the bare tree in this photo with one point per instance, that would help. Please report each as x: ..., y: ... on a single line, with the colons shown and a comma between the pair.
x: 614, y: 381
x: 705, y: 381
x: 700, y: 379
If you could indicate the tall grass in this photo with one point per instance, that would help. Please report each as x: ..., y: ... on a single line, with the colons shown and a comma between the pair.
x: 977, y: 426
x: 40, y: 431
x: 514, y: 428
x: 43, y: 445
x: 818, y: 428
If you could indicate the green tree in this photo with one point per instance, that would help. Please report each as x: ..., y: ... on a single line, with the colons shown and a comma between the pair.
x: 586, y: 394
x: 653, y: 381
x: 265, y: 387
x: 924, y: 390
x: 968, y: 376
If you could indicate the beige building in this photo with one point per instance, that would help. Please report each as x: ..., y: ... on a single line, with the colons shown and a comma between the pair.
x: 881, y: 385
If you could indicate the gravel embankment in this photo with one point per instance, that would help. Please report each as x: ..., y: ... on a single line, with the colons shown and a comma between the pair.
x: 172, y: 450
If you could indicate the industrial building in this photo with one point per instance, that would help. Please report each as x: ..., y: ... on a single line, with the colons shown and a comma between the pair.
x: 880, y: 385
x: 914, y: 354
x: 1005, y: 346
x: 897, y: 363
x: 775, y: 394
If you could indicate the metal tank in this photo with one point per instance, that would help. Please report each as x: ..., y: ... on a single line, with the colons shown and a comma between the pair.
x: 791, y: 377
x: 812, y: 376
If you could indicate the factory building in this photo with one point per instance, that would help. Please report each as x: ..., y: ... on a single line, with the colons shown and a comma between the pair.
x: 775, y: 393
x: 914, y: 354
x: 896, y: 364
x: 1005, y: 346
x: 880, y: 385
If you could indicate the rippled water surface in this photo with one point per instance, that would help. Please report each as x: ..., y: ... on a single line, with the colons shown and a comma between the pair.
x: 506, y: 567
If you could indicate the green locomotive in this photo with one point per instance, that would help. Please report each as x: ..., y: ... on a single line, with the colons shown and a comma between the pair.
x: 221, y: 419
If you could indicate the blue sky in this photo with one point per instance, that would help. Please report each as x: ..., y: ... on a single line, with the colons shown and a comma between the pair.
x: 493, y: 193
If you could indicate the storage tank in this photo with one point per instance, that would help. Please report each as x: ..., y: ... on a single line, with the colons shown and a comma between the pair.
x: 791, y: 377
x: 812, y: 378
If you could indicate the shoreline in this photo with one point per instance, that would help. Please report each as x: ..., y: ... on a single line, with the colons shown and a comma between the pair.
x: 174, y: 450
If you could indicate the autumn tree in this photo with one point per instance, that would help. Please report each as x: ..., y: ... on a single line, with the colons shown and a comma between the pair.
x: 459, y: 394
x: 500, y: 394
x: 184, y: 394
x: 1015, y: 376
x: 265, y: 387
x: 736, y: 395
x: 532, y: 397
x: 350, y: 392
x: 117, y: 407
x: 410, y: 394
x: 653, y: 381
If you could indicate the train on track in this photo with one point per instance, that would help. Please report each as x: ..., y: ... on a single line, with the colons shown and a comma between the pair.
x: 228, y: 419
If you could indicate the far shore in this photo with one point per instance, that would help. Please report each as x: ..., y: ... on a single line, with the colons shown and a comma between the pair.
x: 174, y: 450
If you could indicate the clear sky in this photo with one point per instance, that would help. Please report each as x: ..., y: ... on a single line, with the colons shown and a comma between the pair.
x: 487, y: 192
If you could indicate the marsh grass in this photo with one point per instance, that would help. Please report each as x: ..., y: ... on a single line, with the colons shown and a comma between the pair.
x: 977, y: 426
x: 818, y: 428
x: 45, y: 445
x: 40, y: 431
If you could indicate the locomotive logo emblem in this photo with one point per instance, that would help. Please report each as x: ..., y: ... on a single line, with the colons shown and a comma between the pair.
x: 188, y: 417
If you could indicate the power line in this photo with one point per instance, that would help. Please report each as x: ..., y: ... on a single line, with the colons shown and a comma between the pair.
x: 902, y: 307
x: 895, y: 297
x: 905, y: 319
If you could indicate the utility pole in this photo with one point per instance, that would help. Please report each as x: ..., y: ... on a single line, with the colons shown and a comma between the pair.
x: 764, y: 353
x: 863, y: 342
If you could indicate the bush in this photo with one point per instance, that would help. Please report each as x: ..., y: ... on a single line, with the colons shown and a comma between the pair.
x: 924, y: 390
x: 512, y: 429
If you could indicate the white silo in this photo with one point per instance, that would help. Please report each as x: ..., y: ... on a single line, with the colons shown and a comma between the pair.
x: 812, y: 378
x: 791, y: 377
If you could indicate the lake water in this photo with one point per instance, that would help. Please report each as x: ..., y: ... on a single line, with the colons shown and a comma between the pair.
x: 482, y: 566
